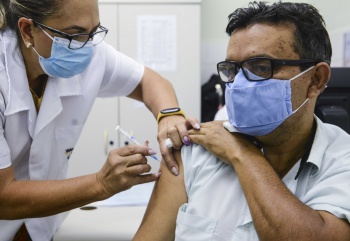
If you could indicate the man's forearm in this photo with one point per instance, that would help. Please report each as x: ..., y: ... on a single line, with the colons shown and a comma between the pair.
x: 276, y: 212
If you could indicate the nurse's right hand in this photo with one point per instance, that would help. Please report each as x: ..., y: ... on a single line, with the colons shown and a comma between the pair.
x: 124, y: 168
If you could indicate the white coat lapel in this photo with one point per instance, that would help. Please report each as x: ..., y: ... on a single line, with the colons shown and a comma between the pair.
x: 51, y: 106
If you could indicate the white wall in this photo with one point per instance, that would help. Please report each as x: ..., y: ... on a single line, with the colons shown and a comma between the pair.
x: 214, y: 20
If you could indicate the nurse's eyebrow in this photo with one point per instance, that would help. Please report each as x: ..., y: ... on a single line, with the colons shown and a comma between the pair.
x: 80, y: 29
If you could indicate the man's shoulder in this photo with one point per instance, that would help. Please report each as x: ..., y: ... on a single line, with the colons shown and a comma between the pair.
x: 333, y: 136
x: 330, y: 147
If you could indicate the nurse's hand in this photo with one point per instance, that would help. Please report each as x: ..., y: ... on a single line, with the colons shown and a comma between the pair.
x: 124, y: 168
x: 176, y: 128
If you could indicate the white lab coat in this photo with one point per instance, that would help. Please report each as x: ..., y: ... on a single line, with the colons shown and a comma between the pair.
x: 39, y: 146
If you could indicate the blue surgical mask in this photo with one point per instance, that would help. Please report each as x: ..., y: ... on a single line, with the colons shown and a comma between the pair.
x: 256, y: 108
x: 65, y: 62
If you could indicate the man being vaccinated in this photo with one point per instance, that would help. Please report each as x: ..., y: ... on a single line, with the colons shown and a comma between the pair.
x: 273, y: 171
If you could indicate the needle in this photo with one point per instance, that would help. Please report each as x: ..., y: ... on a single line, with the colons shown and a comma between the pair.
x: 131, y: 138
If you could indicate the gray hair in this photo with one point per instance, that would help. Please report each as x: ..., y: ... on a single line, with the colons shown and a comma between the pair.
x: 12, y: 10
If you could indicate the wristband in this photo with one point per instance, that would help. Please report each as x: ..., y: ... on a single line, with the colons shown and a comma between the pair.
x: 170, y: 111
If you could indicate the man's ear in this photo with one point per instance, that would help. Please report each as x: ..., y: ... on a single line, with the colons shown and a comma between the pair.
x: 25, y: 27
x: 319, y: 80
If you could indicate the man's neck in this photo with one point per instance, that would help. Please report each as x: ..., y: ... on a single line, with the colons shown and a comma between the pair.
x: 284, y: 156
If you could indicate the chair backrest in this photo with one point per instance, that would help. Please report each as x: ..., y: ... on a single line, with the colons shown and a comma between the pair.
x: 333, y: 105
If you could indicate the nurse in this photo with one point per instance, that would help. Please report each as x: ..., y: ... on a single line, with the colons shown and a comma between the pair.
x: 53, y: 64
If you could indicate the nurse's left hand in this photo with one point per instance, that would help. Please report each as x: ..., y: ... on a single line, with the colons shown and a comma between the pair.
x: 176, y: 128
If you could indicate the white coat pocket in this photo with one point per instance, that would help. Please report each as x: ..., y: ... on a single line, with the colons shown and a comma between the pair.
x: 191, y: 227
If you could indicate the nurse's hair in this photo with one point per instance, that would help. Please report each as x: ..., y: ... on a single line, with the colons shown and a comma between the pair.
x: 311, y: 39
x: 38, y: 10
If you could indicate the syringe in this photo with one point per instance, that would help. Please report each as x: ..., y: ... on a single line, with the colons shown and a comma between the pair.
x: 131, y: 138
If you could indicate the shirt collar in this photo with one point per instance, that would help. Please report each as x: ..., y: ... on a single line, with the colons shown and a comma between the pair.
x: 313, y: 155
x: 69, y: 87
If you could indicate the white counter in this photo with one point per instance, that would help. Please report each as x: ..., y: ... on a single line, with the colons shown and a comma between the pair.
x: 101, y: 224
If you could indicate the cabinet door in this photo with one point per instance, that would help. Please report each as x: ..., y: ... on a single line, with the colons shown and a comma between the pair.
x: 134, y: 116
x: 98, y: 135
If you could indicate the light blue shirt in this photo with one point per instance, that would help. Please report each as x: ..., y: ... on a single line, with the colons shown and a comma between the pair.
x: 217, y: 209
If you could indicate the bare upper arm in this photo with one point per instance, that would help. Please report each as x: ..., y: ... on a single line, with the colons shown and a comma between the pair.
x: 148, y: 75
x: 168, y: 195
x: 335, y: 228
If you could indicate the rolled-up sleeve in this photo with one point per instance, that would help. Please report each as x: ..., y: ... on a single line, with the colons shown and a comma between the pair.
x: 121, y: 75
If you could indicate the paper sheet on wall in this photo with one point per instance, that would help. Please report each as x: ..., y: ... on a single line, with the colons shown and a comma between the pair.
x: 347, y: 49
x: 156, y: 41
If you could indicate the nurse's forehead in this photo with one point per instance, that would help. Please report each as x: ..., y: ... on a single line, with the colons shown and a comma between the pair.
x: 84, y: 14
x: 273, y: 40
